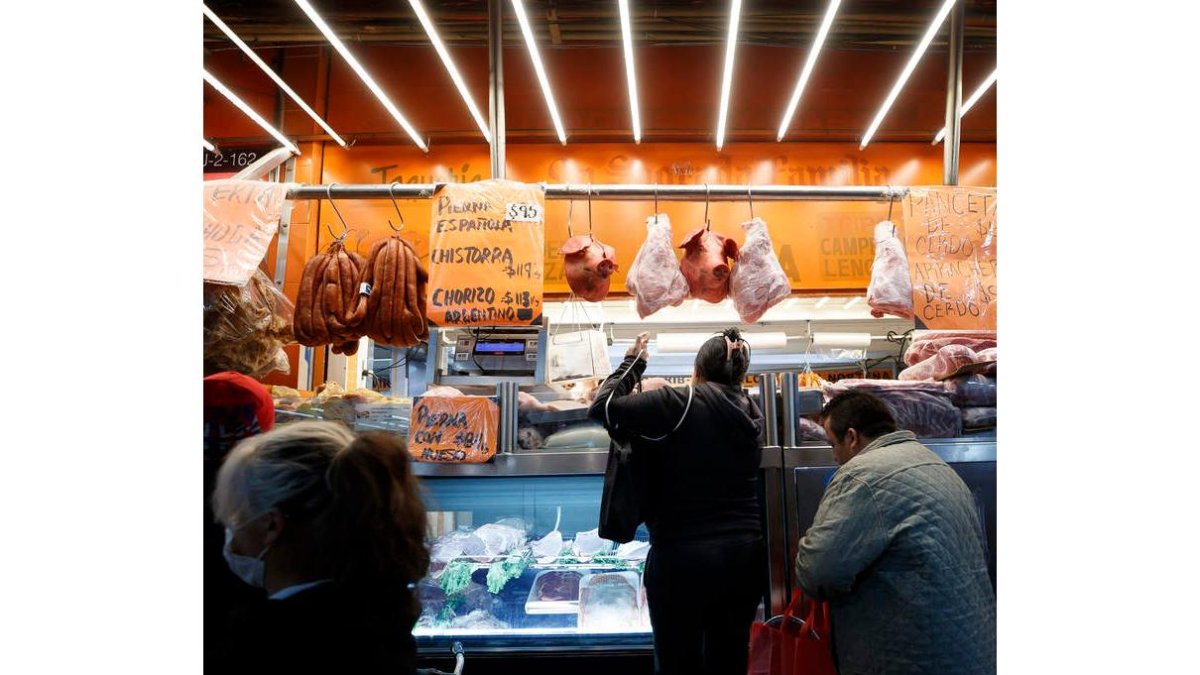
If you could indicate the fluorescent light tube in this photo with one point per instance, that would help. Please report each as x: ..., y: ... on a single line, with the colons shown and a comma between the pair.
x: 627, y: 36
x: 735, y: 14
x: 537, y: 66
x: 446, y: 61
x: 361, y: 72
x: 209, y: 146
x: 822, y: 302
x: 258, y: 119
x: 852, y: 302
x: 908, y: 70
x: 991, y: 79
x: 271, y: 74
x: 811, y: 63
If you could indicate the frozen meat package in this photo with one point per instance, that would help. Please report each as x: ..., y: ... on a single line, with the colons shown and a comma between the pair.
x: 610, y: 601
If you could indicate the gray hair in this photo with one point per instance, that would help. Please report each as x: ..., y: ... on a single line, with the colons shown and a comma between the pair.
x: 265, y: 471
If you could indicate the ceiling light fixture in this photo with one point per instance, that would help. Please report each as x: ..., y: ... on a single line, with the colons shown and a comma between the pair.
x: 808, y: 67
x: 446, y: 61
x: 537, y: 66
x: 209, y: 146
x: 908, y: 70
x: 361, y: 72
x: 271, y: 74
x: 991, y: 79
x: 735, y: 14
x: 244, y: 107
x: 627, y: 36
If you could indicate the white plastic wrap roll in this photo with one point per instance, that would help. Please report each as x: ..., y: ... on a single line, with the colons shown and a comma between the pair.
x: 679, y: 343
x: 841, y: 340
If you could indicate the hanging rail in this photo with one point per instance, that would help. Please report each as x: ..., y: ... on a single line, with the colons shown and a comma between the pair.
x: 629, y: 192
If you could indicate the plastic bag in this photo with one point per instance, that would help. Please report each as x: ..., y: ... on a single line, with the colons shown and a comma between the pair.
x: 654, y: 278
x: 246, y: 327
x: 941, y: 365
x: 757, y: 282
x: 453, y: 429
x: 578, y: 355
x: 969, y: 391
x: 927, y: 345
x: 890, y: 291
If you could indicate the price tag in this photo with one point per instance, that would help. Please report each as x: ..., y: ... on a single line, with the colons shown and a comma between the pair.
x: 523, y: 213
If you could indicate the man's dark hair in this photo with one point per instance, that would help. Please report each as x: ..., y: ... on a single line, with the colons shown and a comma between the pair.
x: 864, y: 412
x: 711, y: 361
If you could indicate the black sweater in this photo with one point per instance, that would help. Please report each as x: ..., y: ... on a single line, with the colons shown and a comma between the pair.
x: 703, y: 478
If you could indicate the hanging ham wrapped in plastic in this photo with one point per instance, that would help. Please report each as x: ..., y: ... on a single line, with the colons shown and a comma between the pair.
x: 590, y: 264
x: 705, y: 263
x: 757, y: 282
x: 654, y: 277
x: 941, y: 365
x: 890, y: 291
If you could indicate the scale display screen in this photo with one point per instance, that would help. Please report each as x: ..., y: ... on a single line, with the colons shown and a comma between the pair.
x: 499, y: 347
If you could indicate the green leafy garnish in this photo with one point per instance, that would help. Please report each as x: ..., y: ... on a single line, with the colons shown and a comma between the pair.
x: 503, y: 571
x: 456, y: 578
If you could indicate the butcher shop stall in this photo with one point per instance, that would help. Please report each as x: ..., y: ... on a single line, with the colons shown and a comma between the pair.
x: 449, y: 221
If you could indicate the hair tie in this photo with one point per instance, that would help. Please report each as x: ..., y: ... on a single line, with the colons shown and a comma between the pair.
x: 731, y: 346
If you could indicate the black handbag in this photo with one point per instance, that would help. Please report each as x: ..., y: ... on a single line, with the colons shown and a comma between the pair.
x: 622, y: 504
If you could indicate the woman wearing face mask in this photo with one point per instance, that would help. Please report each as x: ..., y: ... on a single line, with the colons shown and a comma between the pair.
x: 707, y: 568
x: 332, y: 527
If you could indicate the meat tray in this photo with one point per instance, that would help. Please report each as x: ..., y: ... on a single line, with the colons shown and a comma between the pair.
x: 554, y: 583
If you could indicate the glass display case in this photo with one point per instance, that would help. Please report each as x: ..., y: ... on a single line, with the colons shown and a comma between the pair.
x: 516, y: 562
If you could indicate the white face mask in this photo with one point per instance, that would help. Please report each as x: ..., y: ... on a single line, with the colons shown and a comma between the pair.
x: 250, y: 570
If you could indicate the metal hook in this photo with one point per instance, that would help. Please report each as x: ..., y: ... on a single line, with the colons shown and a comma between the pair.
x: 397, y: 206
x: 891, y: 203
x: 707, y: 224
x: 656, y: 200
x: 750, y: 196
x: 570, y: 210
x: 589, y: 197
x: 345, y: 227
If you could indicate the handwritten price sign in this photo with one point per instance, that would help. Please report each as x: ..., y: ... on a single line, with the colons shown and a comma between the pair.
x: 523, y: 213
x: 240, y: 218
x: 454, y: 429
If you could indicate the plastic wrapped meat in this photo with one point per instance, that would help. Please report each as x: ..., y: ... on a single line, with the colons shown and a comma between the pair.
x: 588, y: 544
x: 757, y: 282
x: 925, y: 347
x: 986, y: 355
x: 881, y: 386
x: 609, y: 602
x: 529, y: 403
x: 971, y: 391
x: 890, y: 290
x: 589, y: 266
x: 499, y: 539
x: 548, y: 546
x: 926, y: 415
x: 439, y: 390
x: 811, y: 431
x: 556, y: 586
x: 580, y: 436
x: 454, y: 545
x: 941, y: 365
x: 654, y: 278
x: 705, y: 264
x: 979, y: 418
x: 634, y: 550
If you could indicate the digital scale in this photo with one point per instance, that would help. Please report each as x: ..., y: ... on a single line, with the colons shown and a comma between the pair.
x: 482, y: 356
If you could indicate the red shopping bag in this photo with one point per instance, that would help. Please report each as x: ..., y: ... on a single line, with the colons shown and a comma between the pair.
x: 792, y: 647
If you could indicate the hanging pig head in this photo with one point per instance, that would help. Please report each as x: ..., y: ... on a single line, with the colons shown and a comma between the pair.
x: 705, y: 264
x: 590, y: 264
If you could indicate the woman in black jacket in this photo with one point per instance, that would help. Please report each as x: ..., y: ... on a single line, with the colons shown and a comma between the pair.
x: 332, y: 526
x: 707, y: 567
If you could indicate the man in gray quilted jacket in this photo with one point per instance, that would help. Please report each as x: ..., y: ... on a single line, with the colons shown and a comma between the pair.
x: 896, y: 547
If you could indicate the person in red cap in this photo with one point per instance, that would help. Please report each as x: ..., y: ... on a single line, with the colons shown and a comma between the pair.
x: 235, y: 407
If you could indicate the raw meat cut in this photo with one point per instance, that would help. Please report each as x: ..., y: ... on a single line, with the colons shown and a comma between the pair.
x: 925, y: 347
x: 654, y: 278
x: 979, y: 418
x: 590, y: 543
x: 609, y: 601
x: 440, y: 390
x: 926, y: 415
x: 705, y: 264
x: 548, y: 546
x: 757, y: 282
x: 941, y: 365
x: 529, y: 438
x: 557, y: 586
x: 890, y: 291
x: 968, y: 391
x: 633, y: 550
x: 589, y: 266
x: 529, y: 403
x: 986, y: 355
